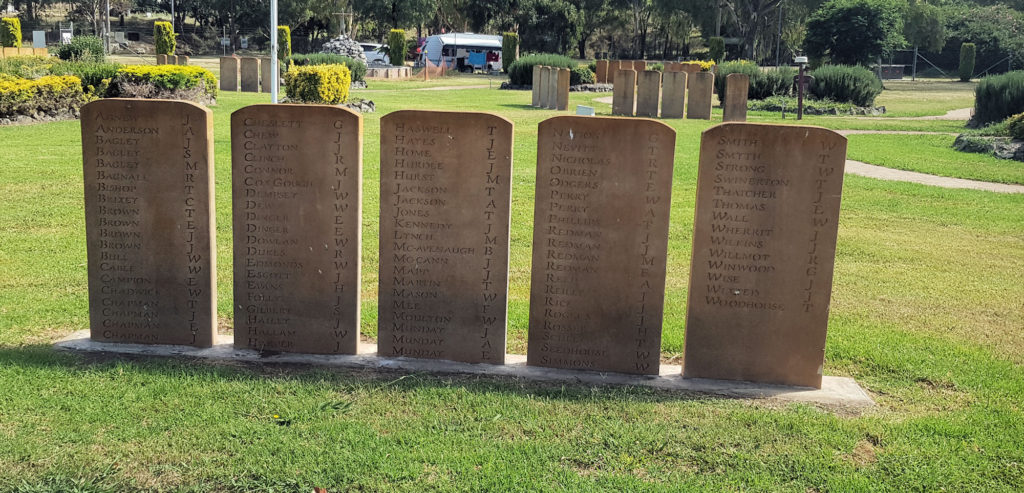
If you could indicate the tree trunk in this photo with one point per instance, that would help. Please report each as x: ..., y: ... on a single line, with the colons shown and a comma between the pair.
x: 582, y: 46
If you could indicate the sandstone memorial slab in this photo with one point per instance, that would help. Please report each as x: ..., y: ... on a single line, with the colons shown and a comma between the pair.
x: 265, y: 77
x: 673, y: 94
x: 648, y: 93
x: 296, y: 209
x: 736, y: 87
x: 161, y: 59
x: 763, y: 252
x: 600, y: 238
x: 183, y: 59
x: 624, y: 93
x: 562, y: 90
x: 535, y: 87
x: 601, y: 76
x: 148, y: 169
x: 702, y: 85
x: 444, y: 235
x: 229, y: 68
x: 640, y: 66
x: 250, y: 74
x: 546, y: 97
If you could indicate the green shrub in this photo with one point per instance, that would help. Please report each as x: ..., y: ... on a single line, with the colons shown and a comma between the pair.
x: 579, y: 75
x: 846, y: 84
x: 164, y: 82
x: 763, y: 83
x: 1015, y: 126
x: 811, y: 106
x: 323, y: 84
x: 92, y: 74
x: 592, y: 66
x: 509, y: 50
x: 967, y: 56
x: 46, y: 94
x: 998, y: 97
x: 164, y: 37
x: 520, y: 73
x: 82, y: 48
x: 397, y: 47
x: 716, y: 48
x: 657, y: 67
x: 284, y: 42
x: 734, y: 67
x: 10, y: 32
x: 357, y: 67
x: 25, y: 66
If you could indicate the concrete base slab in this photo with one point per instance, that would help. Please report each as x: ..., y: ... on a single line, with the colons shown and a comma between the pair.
x: 836, y: 392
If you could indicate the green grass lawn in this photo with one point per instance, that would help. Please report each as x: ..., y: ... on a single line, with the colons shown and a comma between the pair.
x: 925, y: 97
x: 927, y: 315
x: 932, y: 154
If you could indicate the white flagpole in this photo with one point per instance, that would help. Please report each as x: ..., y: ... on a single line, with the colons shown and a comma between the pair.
x: 273, y: 52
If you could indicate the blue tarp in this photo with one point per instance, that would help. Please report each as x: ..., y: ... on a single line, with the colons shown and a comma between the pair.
x: 477, y: 58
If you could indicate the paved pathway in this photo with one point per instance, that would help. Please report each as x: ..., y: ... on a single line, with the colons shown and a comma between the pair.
x: 883, y: 173
x: 891, y: 132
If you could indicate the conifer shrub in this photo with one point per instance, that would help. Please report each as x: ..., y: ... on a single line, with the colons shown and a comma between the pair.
x: 10, y: 32
x: 284, y: 42
x: 397, y: 47
x: 967, y: 57
x: 716, y: 48
x: 846, y: 84
x: 509, y: 50
x: 164, y: 37
x: 999, y: 96
x: 520, y: 73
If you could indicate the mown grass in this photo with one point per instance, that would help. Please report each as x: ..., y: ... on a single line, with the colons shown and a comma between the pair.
x: 925, y: 97
x: 927, y: 314
x: 932, y: 154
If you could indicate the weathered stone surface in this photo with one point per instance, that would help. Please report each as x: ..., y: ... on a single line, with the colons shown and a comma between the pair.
x: 648, y: 93
x: 601, y: 76
x: 702, y: 85
x: 250, y: 74
x: 545, y: 87
x: 296, y: 189
x: 148, y: 168
x: 763, y: 251
x: 673, y: 94
x: 624, y: 94
x: 265, y: 78
x: 161, y: 59
x: 183, y: 59
x: 172, y: 59
x: 41, y: 51
x: 562, y: 90
x: 736, y: 87
x: 535, y: 90
x: 600, y: 236
x: 640, y: 66
x: 444, y: 235
x: 229, y: 68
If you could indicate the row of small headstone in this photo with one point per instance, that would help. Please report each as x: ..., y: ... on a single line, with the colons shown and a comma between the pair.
x: 254, y: 73
x: 765, y: 234
x: 654, y: 90
x: 550, y: 88
x: 606, y: 69
x: 163, y: 59
x: 8, y: 51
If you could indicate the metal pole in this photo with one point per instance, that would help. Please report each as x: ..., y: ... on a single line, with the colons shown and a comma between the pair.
x: 800, y: 94
x: 778, y: 41
x: 106, y: 26
x: 273, y: 52
x: 913, y: 73
x: 172, y: 17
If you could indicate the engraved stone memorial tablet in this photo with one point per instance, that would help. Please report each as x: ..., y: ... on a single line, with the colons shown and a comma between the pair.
x: 296, y: 175
x: 444, y: 235
x: 562, y: 90
x: 648, y: 93
x: 736, y: 87
x: 148, y: 168
x: 600, y: 236
x: 535, y: 88
x: 250, y: 74
x: 763, y: 250
x: 624, y: 93
x: 601, y: 76
x: 265, y: 78
x: 702, y: 86
x: 546, y: 97
x: 673, y: 94
x: 229, y: 67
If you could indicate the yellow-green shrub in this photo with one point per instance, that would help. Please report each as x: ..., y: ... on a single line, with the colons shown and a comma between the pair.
x: 45, y: 94
x: 325, y: 84
x: 164, y: 81
x: 164, y: 37
x: 10, y: 32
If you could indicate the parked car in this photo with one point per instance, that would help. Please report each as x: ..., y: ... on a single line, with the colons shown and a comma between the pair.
x: 375, y: 53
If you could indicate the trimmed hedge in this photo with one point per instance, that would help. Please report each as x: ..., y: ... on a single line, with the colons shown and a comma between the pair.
x: 998, y: 97
x: 52, y: 93
x: 82, y: 48
x: 164, y: 37
x: 579, y: 75
x: 846, y: 84
x: 520, y: 73
x: 967, y: 58
x: 323, y: 84
x: 357, y: 67
x: 509, y: 50
x: 164, y: 81
x: 284, y: 42
x: 1015, y: 126
x: 10, y: 32
x: 397, y: 47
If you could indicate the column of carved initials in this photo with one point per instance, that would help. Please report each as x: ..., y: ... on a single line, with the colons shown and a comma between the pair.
x: 149, y: 230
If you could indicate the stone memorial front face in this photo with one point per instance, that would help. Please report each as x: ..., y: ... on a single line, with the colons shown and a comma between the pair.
x: 296, y: 207
x: 763, y: 250
x: 444, y: 235
x: 562, y: 90
x: 229, y: 67
x: 546, y: 96
x: 624, y: 93
x: 535, y: 89
x: 736, y: 87
x: 265, y: 77
x: 673, y: 94
x: 601, y: 77
x: 600, y: 237
x: 250, y: 74
x: 648, y: 93
x: 702, y: 85
x: 148, y: 167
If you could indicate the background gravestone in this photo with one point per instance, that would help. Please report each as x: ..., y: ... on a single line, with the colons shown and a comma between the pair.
x: 161, y: 59
x: 229, y: 68
x: 648, y: 93
x: 624, y: 93
x: 148, y: 168
x: 600, y: 237
x: 736, y: 87
x: 183, y: 59
x: 763, y: 251
x: 673, y: 94
x: 601, y: 77
x: 296, y: 175
x: 562, y: 91
x: 250, y: 74
x: 172, y: 59
x: 702, y: 86
x: 535, y: 87
x: 444, y: 235
x: 265, y: 78
x: 545, y: 87
x: 640, y: 66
